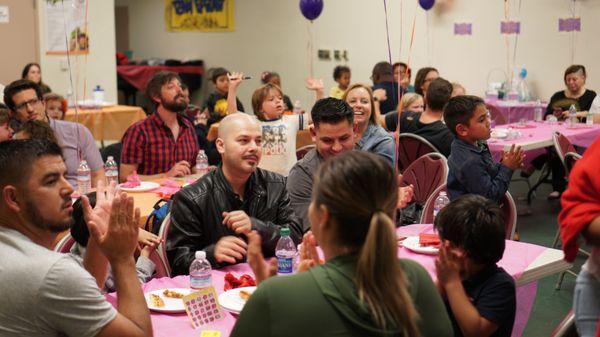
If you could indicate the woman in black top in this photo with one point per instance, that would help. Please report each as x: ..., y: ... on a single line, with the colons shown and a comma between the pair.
x: 575, y: 94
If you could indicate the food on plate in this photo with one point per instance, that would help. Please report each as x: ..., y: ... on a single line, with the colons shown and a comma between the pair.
x: 156, y: 301
x: 232, y: 282
x: 132, y: 181
x: 172, y: 294
x: 245, y: 295
x: 432, y: 240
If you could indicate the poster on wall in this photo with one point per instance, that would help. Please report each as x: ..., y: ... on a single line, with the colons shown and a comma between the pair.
x: 69, y: 15
x: 199, y: 15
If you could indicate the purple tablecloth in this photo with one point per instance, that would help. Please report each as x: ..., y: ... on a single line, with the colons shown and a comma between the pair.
x: 535, y: 136
x: 517, y: 257
x: 511, y: 112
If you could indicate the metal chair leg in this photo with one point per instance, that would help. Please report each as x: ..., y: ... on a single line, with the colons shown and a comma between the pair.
x: 544, y: 174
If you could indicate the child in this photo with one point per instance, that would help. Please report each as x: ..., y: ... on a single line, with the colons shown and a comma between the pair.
x: 36, y: 130
x: 80, y: 233
x: 215, y: 105
x: 274, y: 78
x: 480, y: 296
x: 6, y: 132
x: 472, y: 169
x: 278, y: 130
x: 55, y: 106
x: 341, y: 74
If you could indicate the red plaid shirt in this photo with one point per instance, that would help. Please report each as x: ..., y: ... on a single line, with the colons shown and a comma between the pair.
x: 150, y: 144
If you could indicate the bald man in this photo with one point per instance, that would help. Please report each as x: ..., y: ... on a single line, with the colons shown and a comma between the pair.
x: 215, y: 213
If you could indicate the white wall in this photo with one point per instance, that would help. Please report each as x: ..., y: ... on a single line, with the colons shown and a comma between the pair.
x: 272, y: 35
x: 100, y: 66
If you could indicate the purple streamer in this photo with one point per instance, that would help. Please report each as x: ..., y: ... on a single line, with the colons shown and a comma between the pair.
x: 569, y: 25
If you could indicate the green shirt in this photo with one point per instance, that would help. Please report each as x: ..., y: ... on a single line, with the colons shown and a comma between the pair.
x: 323, y: 302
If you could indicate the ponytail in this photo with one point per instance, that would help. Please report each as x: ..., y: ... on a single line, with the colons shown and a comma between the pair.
x: 380, y: 280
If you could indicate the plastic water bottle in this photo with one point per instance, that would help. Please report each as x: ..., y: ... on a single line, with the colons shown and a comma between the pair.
x: 111, y: 170
x: 201, y: 163
x: 572, y: 115
x: 297, y: 107
x: 200, y: 272
x: 538, y: 111
x: 285, y: 251
x: 98, y: 95
x: 84, y: 178
x: 440, y: 202
x: 589, y: 118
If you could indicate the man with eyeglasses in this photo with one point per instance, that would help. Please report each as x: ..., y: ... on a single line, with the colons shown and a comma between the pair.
x: 24, y: 99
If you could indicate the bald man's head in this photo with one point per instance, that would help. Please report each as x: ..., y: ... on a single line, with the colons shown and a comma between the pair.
x: 239, y: 142
x: 234, y: 121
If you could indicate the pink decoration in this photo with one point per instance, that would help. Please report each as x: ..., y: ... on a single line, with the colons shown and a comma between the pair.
x: 569, y: 25
x: 510, y: 27
x: 463, y: 29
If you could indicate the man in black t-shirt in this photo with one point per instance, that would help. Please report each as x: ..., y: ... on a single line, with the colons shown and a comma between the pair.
x: 383, y: 78
x: 428, y: 124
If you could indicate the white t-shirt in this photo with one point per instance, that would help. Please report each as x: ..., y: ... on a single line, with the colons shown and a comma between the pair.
x: 45, y: 293
x: 279, y: 142
x: 595, y: 108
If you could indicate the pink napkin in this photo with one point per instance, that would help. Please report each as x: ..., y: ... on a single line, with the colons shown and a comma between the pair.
x: 167, y: 189
x: 132, y: 181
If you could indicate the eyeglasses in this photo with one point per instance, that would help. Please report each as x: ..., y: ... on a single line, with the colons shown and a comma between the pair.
x: 23, y: 106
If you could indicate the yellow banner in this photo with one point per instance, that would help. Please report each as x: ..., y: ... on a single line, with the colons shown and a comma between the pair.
x: 199, y: 15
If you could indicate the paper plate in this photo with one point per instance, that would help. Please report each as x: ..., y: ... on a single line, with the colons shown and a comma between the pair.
x: 412, y: 243
x: 231, y: 300
x: 499, y: 133
x: 143, y: 187
x: 172, y: 305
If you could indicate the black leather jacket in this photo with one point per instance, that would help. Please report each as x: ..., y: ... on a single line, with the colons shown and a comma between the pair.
x: 196, y: 216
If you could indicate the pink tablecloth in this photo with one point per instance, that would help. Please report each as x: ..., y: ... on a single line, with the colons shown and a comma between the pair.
x: 518, y: 256
x: 538, y: 135
x: 511, y: 112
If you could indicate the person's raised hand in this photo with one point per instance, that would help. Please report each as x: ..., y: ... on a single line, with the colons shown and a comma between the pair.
x: 449, y: 263
x: 379, y: 95
x: 229, y: 249
x: 180, y: 169
x: 119, y: 241
x: 100, y: 214
x: 237, y: 221
x: 513, y: 159
x: 235, y: 79
x: 309, y: 256
x: 262, y: 270
x: 314, y: 84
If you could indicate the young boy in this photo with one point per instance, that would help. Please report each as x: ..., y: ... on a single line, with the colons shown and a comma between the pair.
x: 54, y: 106
x: 472, y: 169
x: 215, y: 105
x: 341, y: 74
x: 480, y: 296
x: 6, y: 132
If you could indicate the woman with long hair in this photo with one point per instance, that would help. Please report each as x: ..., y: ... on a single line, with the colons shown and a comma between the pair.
x: 362, y: 289
x: 370, y: 136
x: 33, y: 72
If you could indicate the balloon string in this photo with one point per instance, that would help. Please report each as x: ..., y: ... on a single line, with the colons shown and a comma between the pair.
x: 387, y: 34
x: 87, y: 51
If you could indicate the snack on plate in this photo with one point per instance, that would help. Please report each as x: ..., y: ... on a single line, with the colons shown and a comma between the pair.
x: 172, y: 294
x: 244, y: 295
x: 156, y: 301
x: 432, y: 240
x: 232, y: 282
x: 132, y: 181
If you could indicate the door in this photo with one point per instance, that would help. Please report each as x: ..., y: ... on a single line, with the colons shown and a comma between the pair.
x: 19, y: 39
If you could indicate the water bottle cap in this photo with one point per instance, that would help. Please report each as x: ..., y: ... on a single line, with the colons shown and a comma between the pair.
x: 200, y: 151
x: 83, y: 161
x: 443, y: 193
x: 110, y: 158
x: 200, y: 254
x: 285, y: 231
x: 98, y: 88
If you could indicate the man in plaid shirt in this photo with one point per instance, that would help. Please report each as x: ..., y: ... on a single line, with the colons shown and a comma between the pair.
x: 164, y: 143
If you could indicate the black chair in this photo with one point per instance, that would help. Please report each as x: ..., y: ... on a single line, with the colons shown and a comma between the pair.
x: 113, y: 150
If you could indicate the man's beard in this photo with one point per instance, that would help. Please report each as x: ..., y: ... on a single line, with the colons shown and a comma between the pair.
x: 174, y: 105
x: 35, y: 217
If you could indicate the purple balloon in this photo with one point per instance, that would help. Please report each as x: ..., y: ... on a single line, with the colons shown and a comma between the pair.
x: 426, y: 4
x: 311, y: 9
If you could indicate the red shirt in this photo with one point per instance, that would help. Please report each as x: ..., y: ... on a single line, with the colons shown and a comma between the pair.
x: 150, y: 144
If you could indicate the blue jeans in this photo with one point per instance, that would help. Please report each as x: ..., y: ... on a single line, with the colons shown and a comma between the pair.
x: 586, y: 304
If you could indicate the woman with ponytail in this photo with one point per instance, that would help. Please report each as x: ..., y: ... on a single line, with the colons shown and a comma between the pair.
x: 362, y: 289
